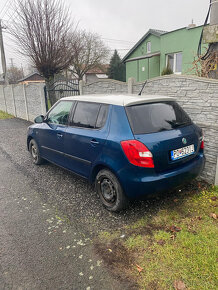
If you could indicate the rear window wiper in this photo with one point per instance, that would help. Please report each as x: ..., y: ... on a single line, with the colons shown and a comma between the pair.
x: 176, y: 124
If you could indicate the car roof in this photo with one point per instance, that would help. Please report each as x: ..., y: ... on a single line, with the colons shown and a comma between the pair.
x: 120, y: 100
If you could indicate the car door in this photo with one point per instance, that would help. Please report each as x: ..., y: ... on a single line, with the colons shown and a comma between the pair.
x: 52, y: 134
x: 85, y: 136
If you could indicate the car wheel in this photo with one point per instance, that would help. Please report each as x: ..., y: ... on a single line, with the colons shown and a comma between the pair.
x: 34, y: 151
x: 110, y: 191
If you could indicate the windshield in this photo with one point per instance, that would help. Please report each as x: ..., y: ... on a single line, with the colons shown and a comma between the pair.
x: 156, y: 117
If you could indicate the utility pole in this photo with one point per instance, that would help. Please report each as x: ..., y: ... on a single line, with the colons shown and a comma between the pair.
x: 210, y: 36
x: 3, y: 60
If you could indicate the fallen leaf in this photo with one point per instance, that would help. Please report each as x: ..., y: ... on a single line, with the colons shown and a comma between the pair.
x: 174, y: 229
x: 199, y: 218
x: 173, y: 237
x: 99, y: 263
x: 213, y: 215
x: 214, y: 198
x: 110, y: 250
x: 179, y: 285
x: 139, y: 268
x: 161, y: 242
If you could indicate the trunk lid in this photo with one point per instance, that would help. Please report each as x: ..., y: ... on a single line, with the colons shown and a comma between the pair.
x: 162, y: 143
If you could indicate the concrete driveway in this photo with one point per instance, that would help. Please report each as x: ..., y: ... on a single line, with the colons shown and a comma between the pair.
x: 49, y: 218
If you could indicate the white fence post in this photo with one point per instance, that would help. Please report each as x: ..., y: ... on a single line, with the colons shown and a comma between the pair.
x: 4, y: 99
x: 25, y: 103
x: 81, y: 83
x: 12, y: 94
x: 42, y: 98
x: 130, y: 85
x: 216, y: 173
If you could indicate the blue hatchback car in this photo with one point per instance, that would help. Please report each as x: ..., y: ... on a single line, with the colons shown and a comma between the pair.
x: 130, y: 146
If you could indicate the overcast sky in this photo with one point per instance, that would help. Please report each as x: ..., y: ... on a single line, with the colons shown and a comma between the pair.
x: 120, y: 23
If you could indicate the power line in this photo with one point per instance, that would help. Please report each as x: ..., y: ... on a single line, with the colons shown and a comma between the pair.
x: 117, y: 40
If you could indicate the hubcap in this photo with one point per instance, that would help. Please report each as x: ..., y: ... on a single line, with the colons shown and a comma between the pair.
x: 108, y: 191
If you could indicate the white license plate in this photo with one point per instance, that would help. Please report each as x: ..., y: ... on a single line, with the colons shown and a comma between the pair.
x: 182, y: 152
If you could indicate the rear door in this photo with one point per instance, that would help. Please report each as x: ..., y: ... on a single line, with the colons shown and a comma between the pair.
x: 85, y: 136
x: 167, y: 131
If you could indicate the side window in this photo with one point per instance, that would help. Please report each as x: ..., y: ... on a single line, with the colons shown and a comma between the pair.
x: 59, y: 114
x: 85, y: 115
x: 102, y: 116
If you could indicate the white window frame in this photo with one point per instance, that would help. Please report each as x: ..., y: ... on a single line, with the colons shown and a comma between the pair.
x: 148, y: 47
x: 174, y: 63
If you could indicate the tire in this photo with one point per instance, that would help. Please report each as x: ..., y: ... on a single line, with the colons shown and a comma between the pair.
x: 110, y: 191
x: 35, y: 154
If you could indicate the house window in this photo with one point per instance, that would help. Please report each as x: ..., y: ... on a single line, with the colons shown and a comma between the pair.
x: 174, y: 61
x: 149, y: 47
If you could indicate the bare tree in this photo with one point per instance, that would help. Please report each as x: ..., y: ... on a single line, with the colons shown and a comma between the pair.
x: 41, y: 32
x: 89, y: 51
x: 14, y: 74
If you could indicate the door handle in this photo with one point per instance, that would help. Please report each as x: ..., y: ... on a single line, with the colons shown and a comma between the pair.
x: 59, y: 135
x: 94, y: 142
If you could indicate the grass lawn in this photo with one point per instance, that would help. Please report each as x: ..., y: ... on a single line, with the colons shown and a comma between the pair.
x: 173, y: 248
x: 4, y: 115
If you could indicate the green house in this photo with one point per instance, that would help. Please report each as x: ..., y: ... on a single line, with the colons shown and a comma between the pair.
x: 158, y: 49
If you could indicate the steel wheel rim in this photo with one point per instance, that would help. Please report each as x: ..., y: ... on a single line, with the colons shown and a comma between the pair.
x: 108, y: 191
x: 34, y: 152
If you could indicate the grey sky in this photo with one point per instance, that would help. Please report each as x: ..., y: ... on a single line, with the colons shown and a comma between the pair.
x: 121, y: 23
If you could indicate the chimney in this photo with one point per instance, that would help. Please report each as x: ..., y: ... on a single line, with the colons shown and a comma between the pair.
x: 192, y: 25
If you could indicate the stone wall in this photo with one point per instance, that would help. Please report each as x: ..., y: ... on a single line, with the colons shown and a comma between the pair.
x: 105, y: 86
x: 23, y: 101
x: 198, y: 96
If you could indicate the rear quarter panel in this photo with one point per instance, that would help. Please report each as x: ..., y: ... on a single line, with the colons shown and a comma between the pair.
x: 112, y: 155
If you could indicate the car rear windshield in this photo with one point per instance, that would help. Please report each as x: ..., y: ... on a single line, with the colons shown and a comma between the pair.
x: 156, y: 117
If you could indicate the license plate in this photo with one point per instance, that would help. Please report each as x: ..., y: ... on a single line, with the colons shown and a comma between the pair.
x: 182, y: 152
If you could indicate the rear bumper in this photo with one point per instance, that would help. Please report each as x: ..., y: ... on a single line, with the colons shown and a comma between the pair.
x: 155, y: 183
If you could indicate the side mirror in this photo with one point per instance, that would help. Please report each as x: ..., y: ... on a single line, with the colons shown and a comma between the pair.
x: 39, y: 119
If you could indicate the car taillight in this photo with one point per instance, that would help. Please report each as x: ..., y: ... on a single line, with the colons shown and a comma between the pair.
x: 137, y: 153
x: 202, y: 143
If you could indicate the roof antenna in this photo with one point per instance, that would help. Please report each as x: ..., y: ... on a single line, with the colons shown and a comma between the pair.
x: 142, y: 88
